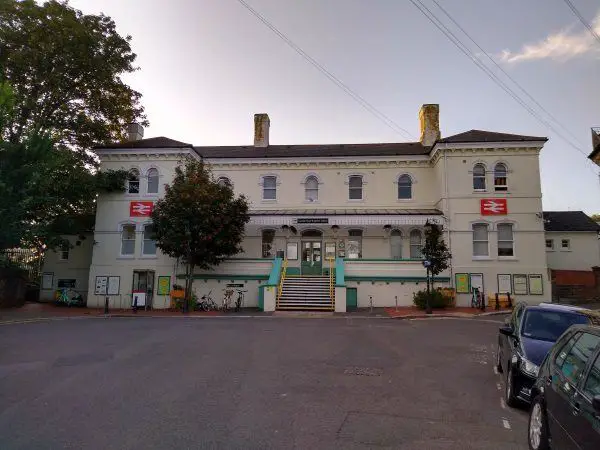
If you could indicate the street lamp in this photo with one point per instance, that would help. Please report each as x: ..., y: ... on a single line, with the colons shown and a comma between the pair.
x: 427, y: 264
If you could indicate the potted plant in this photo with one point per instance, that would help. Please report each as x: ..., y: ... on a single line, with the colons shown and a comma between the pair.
x: 178, y: 291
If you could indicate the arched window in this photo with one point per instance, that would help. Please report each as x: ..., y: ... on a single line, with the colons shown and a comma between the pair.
x: 224, y: 181
x: 128, y: 239
x: 404, y: 187
x: 311, y: 189
x: 416, y: 244
x: 312, y: 233
x: 270, y: 188
x: 396, y: 244
x: 354, y: 249
x: 480, y: 239
x: 500, y: 177
x: 149, y: 242
x: 479, y: 177
x: 355, y: 187
x: 152, y: 181
x: 268, y: 236
x: 133, y: 182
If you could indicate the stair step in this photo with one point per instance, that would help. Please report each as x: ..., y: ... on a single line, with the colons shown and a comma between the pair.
x: 305, y: 299
x: 305, y: 308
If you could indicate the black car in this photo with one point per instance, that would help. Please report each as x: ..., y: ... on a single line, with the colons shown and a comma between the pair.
x: 526, y: 338
x: 565, y: 412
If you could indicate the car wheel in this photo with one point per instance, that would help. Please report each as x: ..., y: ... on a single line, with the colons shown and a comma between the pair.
x: 509, y: 392
x: 498, y: 360
x: 538, y: 429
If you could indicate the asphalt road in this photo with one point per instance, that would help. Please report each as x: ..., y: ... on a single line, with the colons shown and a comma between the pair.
x: 229, y: 383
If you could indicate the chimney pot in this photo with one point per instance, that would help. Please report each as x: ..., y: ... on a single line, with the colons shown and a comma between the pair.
x: 135, y: 132
x: 261, y: 130
x: 429, y: 117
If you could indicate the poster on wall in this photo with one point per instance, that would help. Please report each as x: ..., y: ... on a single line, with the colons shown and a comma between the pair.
x: 536, y: 284
x: 520, y: 284
x: 292, y: 250
x: 329, y: 250
x: 476, y: 280
x: 462, y: 283
x: 113, y: 286
x: 47, y: 280
x: 100, y: 285
x: 504, y: 283
x: 164, y: 285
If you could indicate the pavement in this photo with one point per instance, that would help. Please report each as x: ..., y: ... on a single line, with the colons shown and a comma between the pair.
x: 241, y: 382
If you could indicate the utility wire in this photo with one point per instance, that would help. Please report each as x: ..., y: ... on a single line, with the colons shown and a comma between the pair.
x: 499, y: 67
x: 360, y: 100
x: 582, y: 20
x: 469, y: 54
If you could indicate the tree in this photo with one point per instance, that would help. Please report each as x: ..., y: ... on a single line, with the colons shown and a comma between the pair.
x: 199, y: 220
x: 65, y: 68
x: 595, y: 217
x: 435, y: 253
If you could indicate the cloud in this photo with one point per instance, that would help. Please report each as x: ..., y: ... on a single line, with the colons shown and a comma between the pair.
x: 560, y: 46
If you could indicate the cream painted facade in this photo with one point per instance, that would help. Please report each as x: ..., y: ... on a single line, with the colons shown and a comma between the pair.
x: 370, y: 234
x: 576, y: 250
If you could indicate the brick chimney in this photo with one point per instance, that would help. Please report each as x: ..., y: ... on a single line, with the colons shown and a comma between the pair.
x: 429, y: 117
x: 261, y: 130
x: 135, y: 132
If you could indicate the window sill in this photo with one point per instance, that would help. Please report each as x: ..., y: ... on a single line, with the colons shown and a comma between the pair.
x: 126, y: 257
x: 508, y: 258
x: 479, y: 191
x: 565, y: 250
x: 129, y: 195
x: 312, y: 202
x: 148, y: 257
x: 405, y: 200
x: 62, y: 261
x: 550, y: 250
x: 356, y: 200
x: 481, y: 258
x: 268, y: 200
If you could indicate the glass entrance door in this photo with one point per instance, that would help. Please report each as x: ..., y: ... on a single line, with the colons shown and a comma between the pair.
x: 312, y: 258
x: 143, y: 281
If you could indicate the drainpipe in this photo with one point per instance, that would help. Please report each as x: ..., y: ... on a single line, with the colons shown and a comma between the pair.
x: 447, y: 219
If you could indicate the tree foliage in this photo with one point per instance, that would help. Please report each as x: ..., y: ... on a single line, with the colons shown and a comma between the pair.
x: 198, y: 220
x: 435, y: 250
x: 65, y: 68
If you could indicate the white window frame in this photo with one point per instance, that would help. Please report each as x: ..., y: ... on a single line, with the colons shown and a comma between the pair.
x: 150, y: 169
x: 412, y: 245
x: 271, y: 252
x: 121, y: 240
x: 144, y: 240
x: 400, y: 245
x: 139, y: 184
x: 551, y: 248
x: 512, y: 241
x: 480, y: 177
x: 411, y: 185
x: 64, y: 249
x: 314, y: 189
x: 262, y: 186
x: 500, y: 187
x: 487, y: 240
x: 362, y: 187
x: 568, y: 247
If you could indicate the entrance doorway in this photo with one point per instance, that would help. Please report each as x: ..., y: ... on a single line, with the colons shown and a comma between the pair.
x: 143, y: 281
x: 312, y: 253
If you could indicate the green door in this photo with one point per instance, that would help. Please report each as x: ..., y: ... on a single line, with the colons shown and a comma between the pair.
x: 351, y: 298
x: 311, y: 258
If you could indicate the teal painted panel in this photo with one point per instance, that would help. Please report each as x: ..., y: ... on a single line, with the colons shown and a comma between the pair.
x: 339, y: 272
x: 275, y: 274
x: 351, y: 298
x: 213, y: 276
x: 396, y: 279
x: 294, y: 271
x: 261, y: 298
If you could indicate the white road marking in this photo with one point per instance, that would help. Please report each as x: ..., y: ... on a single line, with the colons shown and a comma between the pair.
x: 502, y: 403
x: 495, y: 370
x: 499, y: 386
x: 506, y: 424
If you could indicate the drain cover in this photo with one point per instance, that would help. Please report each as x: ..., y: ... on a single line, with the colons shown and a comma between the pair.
x: 363, y: 371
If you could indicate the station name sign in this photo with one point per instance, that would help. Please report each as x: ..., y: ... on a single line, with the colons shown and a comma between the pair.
x: 312, y: 220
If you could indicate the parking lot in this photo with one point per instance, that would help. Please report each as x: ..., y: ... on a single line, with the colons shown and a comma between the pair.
x: 272, y: 382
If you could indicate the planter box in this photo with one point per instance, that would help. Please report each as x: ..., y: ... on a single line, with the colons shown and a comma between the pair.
x: 177, y: 294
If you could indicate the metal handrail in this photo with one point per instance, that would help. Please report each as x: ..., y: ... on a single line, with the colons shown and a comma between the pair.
x: 282, y: 279
x: 331, y: 286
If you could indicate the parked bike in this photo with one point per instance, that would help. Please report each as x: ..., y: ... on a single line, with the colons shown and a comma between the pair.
x: 206, y: 303
x: 240, y: 300
x: 68, y: 297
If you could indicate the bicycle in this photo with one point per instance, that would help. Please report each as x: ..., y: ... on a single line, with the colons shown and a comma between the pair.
x: 61, y: 297
x: 206, y: 303
x: 227, y: 299
x: 240, y: 300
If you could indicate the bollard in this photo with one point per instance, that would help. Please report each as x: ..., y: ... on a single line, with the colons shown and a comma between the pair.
x: 371, y: 303
x: 497, y: 301
x: 134, y: 304
x: 482, y: 301
x: 106, y: 306
x: 509, y: 300
x: 396, y: 297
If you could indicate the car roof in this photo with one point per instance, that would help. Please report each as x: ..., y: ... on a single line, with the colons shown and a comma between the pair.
x: 594, y: 329
x: 593, y: 315
x: 558, y: 306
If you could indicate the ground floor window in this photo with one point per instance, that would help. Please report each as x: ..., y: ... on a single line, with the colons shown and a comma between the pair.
x: 416, y: 244
x: 354, y: 249
x: 396, y: 244
x: 268, y: 236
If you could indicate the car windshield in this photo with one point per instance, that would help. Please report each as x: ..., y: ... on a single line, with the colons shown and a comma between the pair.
x: 549, y: 325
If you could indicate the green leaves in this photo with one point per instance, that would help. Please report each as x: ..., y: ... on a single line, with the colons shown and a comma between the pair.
x: 435, y: 249
x: 199, y: 220
x: 65, y: 68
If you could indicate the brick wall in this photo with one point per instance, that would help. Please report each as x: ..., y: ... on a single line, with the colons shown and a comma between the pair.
x: 576, y: 286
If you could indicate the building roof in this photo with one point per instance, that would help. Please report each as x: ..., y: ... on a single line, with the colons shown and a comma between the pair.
x: 488, y: 136
x: 155, y: 142
x: 314, y: 151
x: 343, y: 212
x: 569, y: 221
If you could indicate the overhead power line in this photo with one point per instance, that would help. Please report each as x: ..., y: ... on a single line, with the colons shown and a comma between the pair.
x: 582, y: 20
x: 477, y: 61
x: 356, y: 97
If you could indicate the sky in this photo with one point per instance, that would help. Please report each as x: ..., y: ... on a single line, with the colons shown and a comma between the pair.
x: 207, y: 66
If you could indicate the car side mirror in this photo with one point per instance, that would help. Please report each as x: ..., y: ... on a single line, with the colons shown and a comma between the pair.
x: 596, y: 403
x: 506, y: 330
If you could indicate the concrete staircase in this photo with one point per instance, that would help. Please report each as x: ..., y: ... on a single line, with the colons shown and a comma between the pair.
x: 305, y: 293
